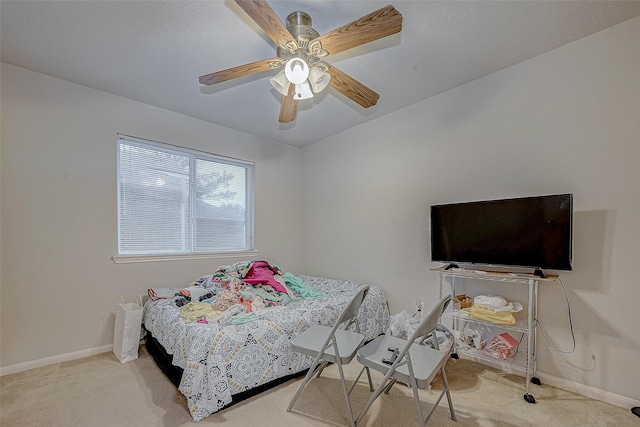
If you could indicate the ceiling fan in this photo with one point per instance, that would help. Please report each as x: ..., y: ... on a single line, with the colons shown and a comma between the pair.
x: 301, y: 52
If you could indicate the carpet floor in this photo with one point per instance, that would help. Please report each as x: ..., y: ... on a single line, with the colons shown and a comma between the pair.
x: 100, y: 391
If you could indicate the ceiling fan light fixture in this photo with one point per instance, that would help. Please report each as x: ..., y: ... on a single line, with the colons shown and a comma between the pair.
x: 319, y: 79
x: 303, y: 91
x: 280, y: 83
x: 297, y: 70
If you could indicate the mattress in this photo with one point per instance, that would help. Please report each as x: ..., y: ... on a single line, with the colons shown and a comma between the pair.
x: 222, y: 360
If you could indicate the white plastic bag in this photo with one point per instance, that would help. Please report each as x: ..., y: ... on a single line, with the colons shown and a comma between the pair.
x: 126, y: 333
x: 496, y: 303
x: 403, y: 326
x: 400, y: 325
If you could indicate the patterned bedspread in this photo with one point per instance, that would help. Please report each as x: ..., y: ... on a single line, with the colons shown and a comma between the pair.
x: 222, y: 360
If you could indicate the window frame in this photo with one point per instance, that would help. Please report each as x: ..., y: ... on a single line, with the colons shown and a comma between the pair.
x: 193, y: 155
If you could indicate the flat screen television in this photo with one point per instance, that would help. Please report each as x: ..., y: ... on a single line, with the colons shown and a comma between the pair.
x: 531, y: 232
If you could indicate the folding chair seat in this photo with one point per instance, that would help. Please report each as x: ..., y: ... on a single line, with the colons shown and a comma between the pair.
x: 332, y: 345
x: 409, y: 362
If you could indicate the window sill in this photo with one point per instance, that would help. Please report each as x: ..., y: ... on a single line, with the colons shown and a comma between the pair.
x: 128, y: 259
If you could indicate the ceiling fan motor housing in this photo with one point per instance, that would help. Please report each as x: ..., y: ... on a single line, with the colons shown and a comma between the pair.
x: 299, y: 25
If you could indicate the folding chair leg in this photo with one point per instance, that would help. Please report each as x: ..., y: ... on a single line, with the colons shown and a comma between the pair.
x: 304, y: 382
x: 369, y: 377
x: 365, y: 368
x: 416, y: 399
x: 312, y: 370
x: 383, y: 384
x: 391, y: 383
x: 424, y: 421
x: 346, y: 393
x: 324, y: 365
x: 446, y: 387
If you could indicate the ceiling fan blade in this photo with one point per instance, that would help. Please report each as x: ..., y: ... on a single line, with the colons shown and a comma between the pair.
x: 381, y: 23
x: 241, y: 71
x: 289, y: 107
x: 266, y: 18
x: 351, y: 88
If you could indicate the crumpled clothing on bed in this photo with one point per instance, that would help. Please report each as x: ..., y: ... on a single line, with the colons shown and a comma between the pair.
x: 196, y: 310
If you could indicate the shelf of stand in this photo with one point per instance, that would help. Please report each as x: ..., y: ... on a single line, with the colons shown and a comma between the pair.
x: 525, y: 321
x: 521, y: 324
x: 517, y: 363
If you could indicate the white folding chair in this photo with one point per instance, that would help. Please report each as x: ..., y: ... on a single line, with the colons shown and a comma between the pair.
x: 409, y: 362
x: 332, y: 345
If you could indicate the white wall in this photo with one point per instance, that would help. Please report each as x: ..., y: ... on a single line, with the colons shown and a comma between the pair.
x: 566, y: 121
x: 59, y: 216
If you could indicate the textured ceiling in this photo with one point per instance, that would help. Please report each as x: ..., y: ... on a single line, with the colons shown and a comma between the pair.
x: 154, y: 52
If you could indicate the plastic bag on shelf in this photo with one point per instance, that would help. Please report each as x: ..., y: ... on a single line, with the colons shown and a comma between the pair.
x: 494, y: 309
x: 496, y: 303
x: 471, y: 336
x: 502, y: 346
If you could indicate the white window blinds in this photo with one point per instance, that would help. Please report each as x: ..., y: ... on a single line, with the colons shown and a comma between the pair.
x: 173, y: 200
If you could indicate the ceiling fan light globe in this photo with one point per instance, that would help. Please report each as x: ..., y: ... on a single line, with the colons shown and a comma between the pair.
x: 296, y: 70
x: 280, y: 83
x: 303, y: 91
x: 319, y: 79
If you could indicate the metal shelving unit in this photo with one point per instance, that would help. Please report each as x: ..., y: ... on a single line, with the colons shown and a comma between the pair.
x: 525, y: 324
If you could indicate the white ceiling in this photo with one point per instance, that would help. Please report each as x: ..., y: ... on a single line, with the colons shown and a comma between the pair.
x: 154, y: 52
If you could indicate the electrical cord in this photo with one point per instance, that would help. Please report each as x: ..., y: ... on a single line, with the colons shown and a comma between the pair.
x: 573, y: 336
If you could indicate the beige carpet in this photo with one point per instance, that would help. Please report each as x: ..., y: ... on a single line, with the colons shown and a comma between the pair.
x: 99, y: 391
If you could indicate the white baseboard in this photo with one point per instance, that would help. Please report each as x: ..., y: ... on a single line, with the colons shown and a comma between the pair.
x: 581, y: 389
x: 19, y: 367
x: 590, y: 392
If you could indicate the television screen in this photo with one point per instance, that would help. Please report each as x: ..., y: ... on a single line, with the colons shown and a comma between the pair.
x: 523, y: 232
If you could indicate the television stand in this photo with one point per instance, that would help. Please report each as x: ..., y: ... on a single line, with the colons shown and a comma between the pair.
x: 525, y: 323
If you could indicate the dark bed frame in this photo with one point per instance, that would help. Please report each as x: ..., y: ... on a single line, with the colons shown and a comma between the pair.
x: 174, y: 373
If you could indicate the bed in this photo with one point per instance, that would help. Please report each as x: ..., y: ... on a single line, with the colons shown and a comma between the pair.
x: 214, y: 364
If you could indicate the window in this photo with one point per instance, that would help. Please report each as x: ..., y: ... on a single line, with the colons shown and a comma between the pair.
x: 172, y: 200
